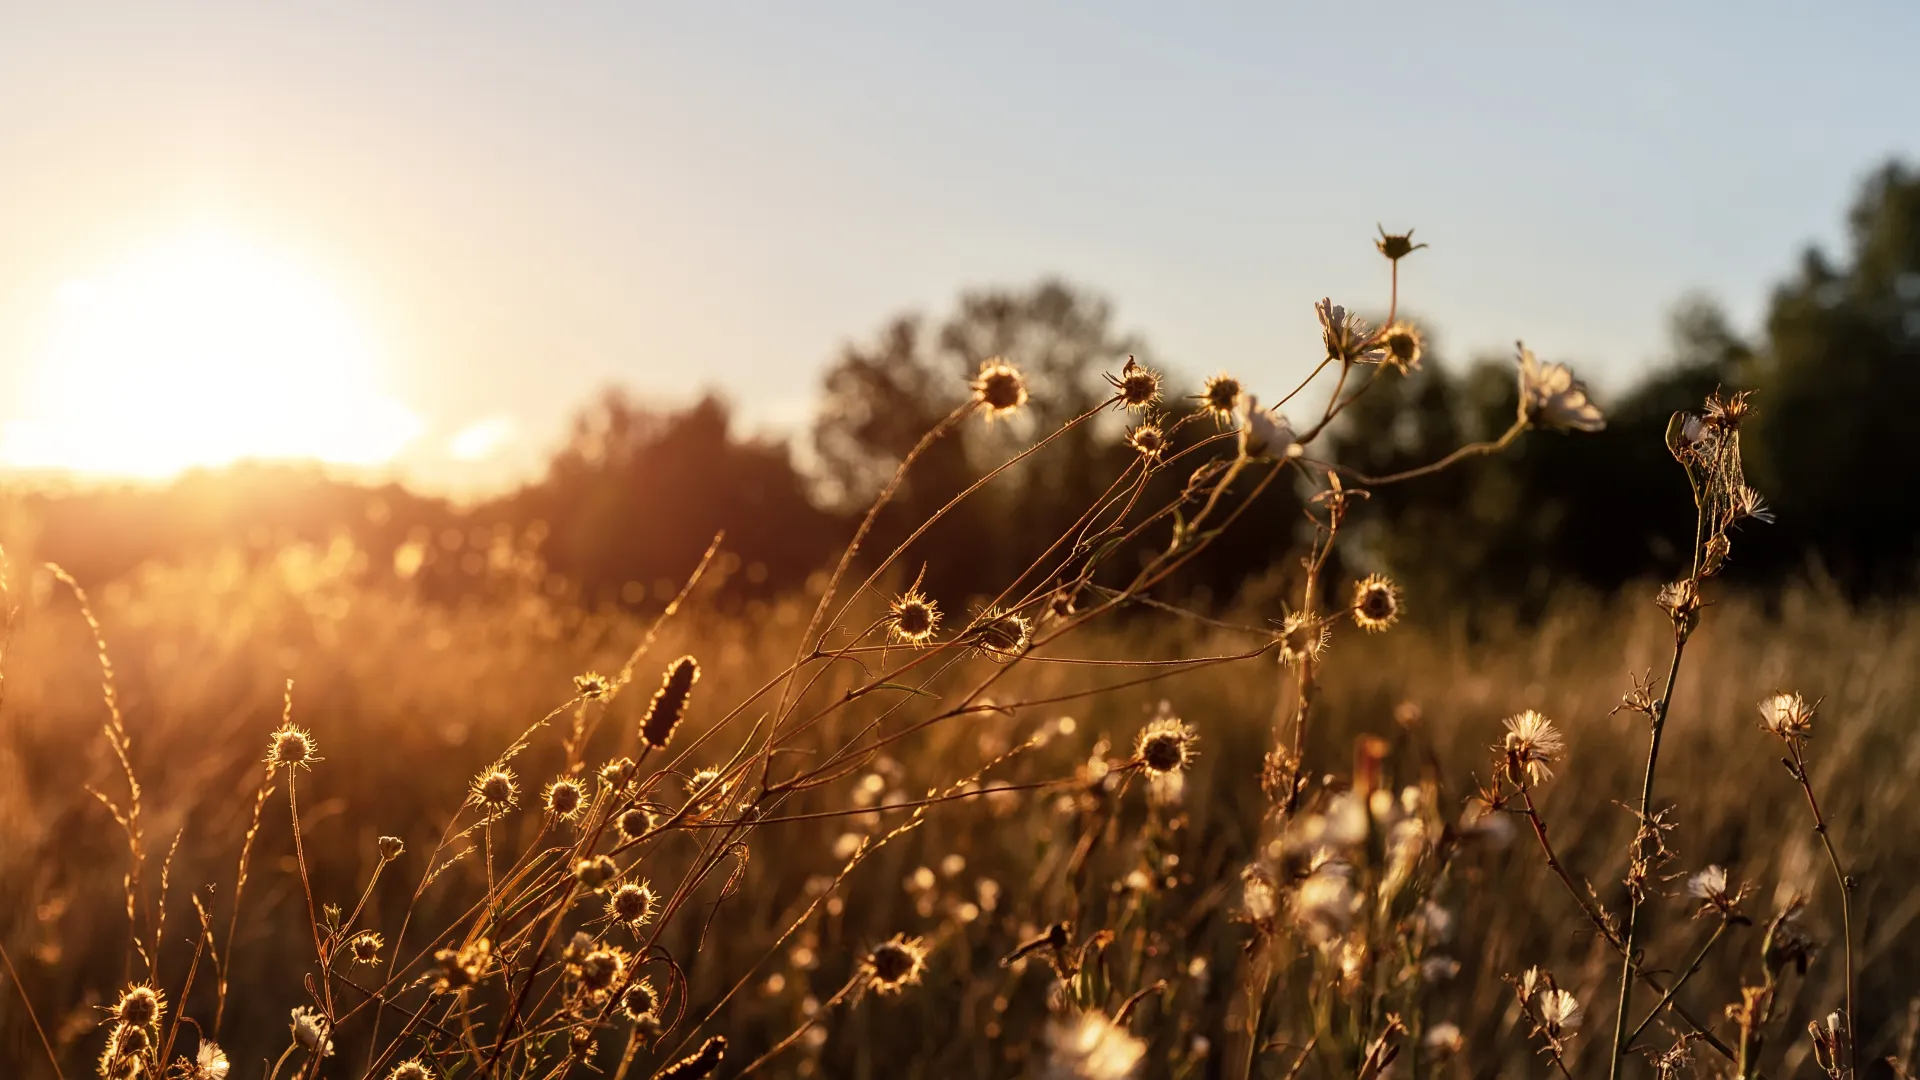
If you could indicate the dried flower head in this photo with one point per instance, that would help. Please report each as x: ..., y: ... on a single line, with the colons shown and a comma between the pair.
x: 1147, y: 440
x: 592, y: 686
x: 311, y: 1032
x: 1682, y: 602
x: 618, y: 773
x: 1551, y: 397
x: 1532, y: 745
x: 125, y: 1055
x: 634, y: 823
x: 1301, y: 638
x: 1788, y: 716
x: 139, y: 1006
x: 457, y: 970
x: 1728, y: 412
x: 290, y: 747
x: 601, y: 968
x: 1088, y: 1045
x: 1137, y: 386
x: 411, y: 1069
x: 912, y: 619
x: 1264, y: 431
x: 669, y: 704
x: 1001, y: 634
x: 1403, y: 346
x: 391, y: 847
x: 1716, y: 896
x: 495, y: 791
x: 706, y: 783
x: 1221, y: 396
x: 1348, y: 338
x: 639, y: 1001
x: 564, y: 798
x: 1396, y: 246
x: 1165, y: 746
x: 209, y: 1062
x: 596, y: 871
x: 633, y: 904
x: 1744, y: 503
x: 1560, y: 1011
x: 999, y: 387
x: 896, y: 963
x: 1376, y: 603
x: 365, y: 947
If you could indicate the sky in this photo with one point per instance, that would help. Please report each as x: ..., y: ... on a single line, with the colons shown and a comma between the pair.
x: 442, y: 227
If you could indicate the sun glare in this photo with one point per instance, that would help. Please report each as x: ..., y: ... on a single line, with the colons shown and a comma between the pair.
x: 202, y: 350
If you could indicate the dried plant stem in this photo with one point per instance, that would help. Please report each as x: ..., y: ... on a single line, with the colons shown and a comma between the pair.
x: 31, y: 1015
x: 1698, y: 959
x: 1798, y: 767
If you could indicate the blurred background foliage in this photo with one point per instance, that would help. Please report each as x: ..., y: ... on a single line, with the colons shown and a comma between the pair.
x: 638, y: 489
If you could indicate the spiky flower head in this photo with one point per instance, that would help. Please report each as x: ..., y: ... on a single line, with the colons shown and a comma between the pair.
x: 290, y: 748
x: 633, y: 904
x: 1221, y: 396
x: 1302, y: 638
x: 1147, y: 440
x: 618, y: 773
x: 311, y: 1032
x: 706, y: 782
x: 1347, y: 336
x: 1136, y: 387
x: 1396, y: 246
x: 495, y: 791
x: 125, y: 1055
x: 913, y: 618
x: 411, y: 1069
x: 565, y: 797
x: 365, y: 947
x: 139, y: 1006
x: 1002, y: 634
x: 1088, y: 1045
x: 999, y: 388
x: 601, y: 968
x: 457, y: 970
x: 592, y: 686
x: 1560, y: 1011
x: 1788, y: 716
x: 1551, y: 397
x: 896, y: 963
x: 639, y: 1001
x: 1532, y: 745
x: 634, y: 823
x: 1403, y: 346
x: 391, y: 847
x: 596, y: 871
x: 669, y: 704
x: 1165, y: 746
x: 1376, y: 603
x: 1727, y: 412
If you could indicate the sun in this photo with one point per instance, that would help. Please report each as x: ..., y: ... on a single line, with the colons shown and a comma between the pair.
x: 202, y: 350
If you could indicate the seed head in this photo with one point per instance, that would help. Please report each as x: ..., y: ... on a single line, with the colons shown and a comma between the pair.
x: 564, y: 798
x: 618, y: 773
x: 209, y: 1062
x: 669, y: 703
x: 1727, y: 412
x: 1348, y: 338
x: 1002, y: 634
x: 365, y: 947
x: 632, y: 903
x: 1165, y: 746
x: 1403, y: 346
x: 411, y: 1069
x: 139, y: 1006
x: 1147, y: 440
x: 1302, y: 637
x: 1532, y: 745
x: 1550, y: 397
x: 1560, y: 1011
x: 391, y: 847
x: 495, y: 792
x: 311, y: 1032
x: 1264, y: 431
x: 457, y: 970
x: 896, y: 963
x: 595, y: 872
x: 601, y: 968
x: 1137, y: 386
x: 1376, y: 603
x: 999, y: 387
x: 1222, y: 396
x: 634, y: 823
x: 912, y: 619
x: 1788, y: 716
x: 592, y: 686
x: 639, y: 1001
x: 1396, y: 246
x: 290, y: 747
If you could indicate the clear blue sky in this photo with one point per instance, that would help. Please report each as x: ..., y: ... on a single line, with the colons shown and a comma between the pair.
x: 525, y: 202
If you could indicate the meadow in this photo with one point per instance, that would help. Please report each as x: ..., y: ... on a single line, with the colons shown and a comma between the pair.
x: 280, y: 803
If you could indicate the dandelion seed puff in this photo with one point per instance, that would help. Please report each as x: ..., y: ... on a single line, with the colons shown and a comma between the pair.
x: 700, y: 1063
x: 495, y: 792
x: 1551, y: 397
x: 632, y: 904
x: 140, y: 1005
x: 896, y: 963
x: 411, y: 1069
x: 1709, y: 884
x: 564, y: 798
x: 669, y: 703
x: 912, y: 619
x: 1221, y: 396
x: 999, y: 387
x: 1147, y: 440
x: 639, y: 1001
x: 1788, y: 716
x: 1136, y: 387
x: 1560, y: 1011
x: 311, y: 1032
x: 634, y: 823
x: 391, y: 847
x: 1532, y: 745
x: 1302, y: 638
x: 1090, y: 1046
x: 1165, y: 746
x: 209, y: 1062
x: 1403, y: 346
x: 290, y: 748
x: 365, y: 947
x: 592, y: 686
x: 1376, y: 603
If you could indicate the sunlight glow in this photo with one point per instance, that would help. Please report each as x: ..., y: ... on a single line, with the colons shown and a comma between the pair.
x: 202, y: 350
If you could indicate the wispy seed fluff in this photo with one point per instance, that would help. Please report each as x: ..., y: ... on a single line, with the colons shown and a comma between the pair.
x: 1532, y: 745
x: 700, y: 1063
x: 632, y: 904
x: 669, y: 703
x: 1376, y: 603
x: 1788, y: 716
x: 1165, y: 746
x: 999, y: 387
x: 896, y: 963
